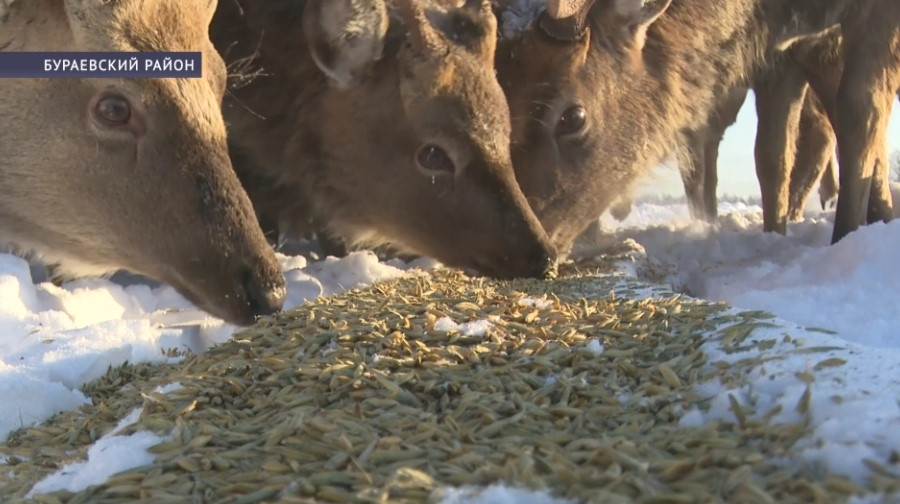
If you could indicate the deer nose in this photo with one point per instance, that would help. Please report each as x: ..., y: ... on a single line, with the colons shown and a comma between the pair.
x: 542, y: 265
x: 264, y: 297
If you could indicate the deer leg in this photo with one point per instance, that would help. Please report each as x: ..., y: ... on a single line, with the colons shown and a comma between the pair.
x: 331, y: 245
x: 822, y: 63
x: 779, y: 98
x: 711, y: 179
x: 693, y: 171
x: 724, y: 117
x: 880, y: 207
x: 815, y: 151
x: 880, y: 203
x: 862, y: 110
x: 828, y: 185
x: 880, y: 197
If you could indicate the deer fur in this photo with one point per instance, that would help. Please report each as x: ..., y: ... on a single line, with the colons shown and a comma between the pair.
x: 645, y: 72
x: 813, y: 153
x: 697, y: 156
x: 779, y: 89
x: 327, y: 133
x: 154, y: 194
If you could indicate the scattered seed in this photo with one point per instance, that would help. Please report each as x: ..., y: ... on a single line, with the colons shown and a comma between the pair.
x: 355, y: 398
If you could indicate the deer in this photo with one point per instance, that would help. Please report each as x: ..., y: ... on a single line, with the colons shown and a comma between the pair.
x: 781, y: 90
x: 102, y: 175
x: 381, y: 126
x: 697, y: 156
x: 813, y: 144
x: 598, y: 89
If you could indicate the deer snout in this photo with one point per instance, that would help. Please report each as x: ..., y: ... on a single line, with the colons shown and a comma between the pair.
x: 542, y: 265
x: 264, y: 293
x: 537, y: 260
x: 259, y: 289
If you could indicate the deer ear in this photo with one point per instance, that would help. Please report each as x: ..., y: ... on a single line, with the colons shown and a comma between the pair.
x: 345, y: 37
x: 639, y: 15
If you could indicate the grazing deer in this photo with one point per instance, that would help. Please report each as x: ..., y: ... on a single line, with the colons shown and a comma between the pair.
x: 698, y: 159
x: 814, y: 162
x: 384, y: 128
x: 106, y: 174
x: 599, y: 88
x: 812, y: 149
x: 698, y: 156
x: 791, y: 114
x: 828, y: 184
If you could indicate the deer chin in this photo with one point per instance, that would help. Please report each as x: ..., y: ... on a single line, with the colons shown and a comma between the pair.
x: 235, y: 300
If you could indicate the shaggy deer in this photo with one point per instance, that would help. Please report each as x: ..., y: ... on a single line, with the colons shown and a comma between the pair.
x: 813, y: 161
x: 784, y: 123
x: 106, y: 174
x: 599, y: 88
x: 387, y: 130
x: 698, y: 159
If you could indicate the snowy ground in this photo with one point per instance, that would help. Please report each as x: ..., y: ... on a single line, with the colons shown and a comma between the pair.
x: 54, y: 339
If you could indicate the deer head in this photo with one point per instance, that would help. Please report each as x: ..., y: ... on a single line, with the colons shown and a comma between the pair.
x: 407, y: 146
x: 107, y: 174
x: 573, y: 81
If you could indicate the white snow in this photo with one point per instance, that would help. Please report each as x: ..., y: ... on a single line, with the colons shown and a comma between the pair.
x: 535, y: 302
x: 472, y: 328
x: 54, y: 339
x: 497, y: 494
x: 108, y: 456
x: 595, y: 347
x: 845, y: 297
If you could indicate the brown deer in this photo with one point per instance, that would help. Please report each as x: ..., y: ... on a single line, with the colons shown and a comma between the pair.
x: 813, y: 147
x: 384, y: 129
x: 106, y: 174
x: 699, y: 153
x: 780, y: 90
x: 815, y: 161
x: 698, y: 159
x: 599, y: 88
x: 825, y: 66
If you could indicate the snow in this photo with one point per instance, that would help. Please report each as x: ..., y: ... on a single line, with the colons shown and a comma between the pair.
x: 104, y: 458
x: 841, y: 298
x: 497, y: 494
x: 473, y: 328
x: 54, y: 339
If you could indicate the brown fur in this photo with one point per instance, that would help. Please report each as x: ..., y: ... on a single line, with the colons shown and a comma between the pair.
x: 811, y: 151
x: 815, y: 162
x: 698, y: 157
x: 646, y: 75
x: 157, y: 197
x: 308, y: 150
x: 780, y: 89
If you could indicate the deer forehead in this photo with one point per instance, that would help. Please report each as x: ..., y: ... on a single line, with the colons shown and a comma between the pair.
x: 193, y: 102
x: 160, y: 25
x: 474, y: 86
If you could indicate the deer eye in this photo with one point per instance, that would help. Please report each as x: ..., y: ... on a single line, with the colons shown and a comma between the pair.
x: 571, y: 121
x: 433, y: 160
x: 113, y: 110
